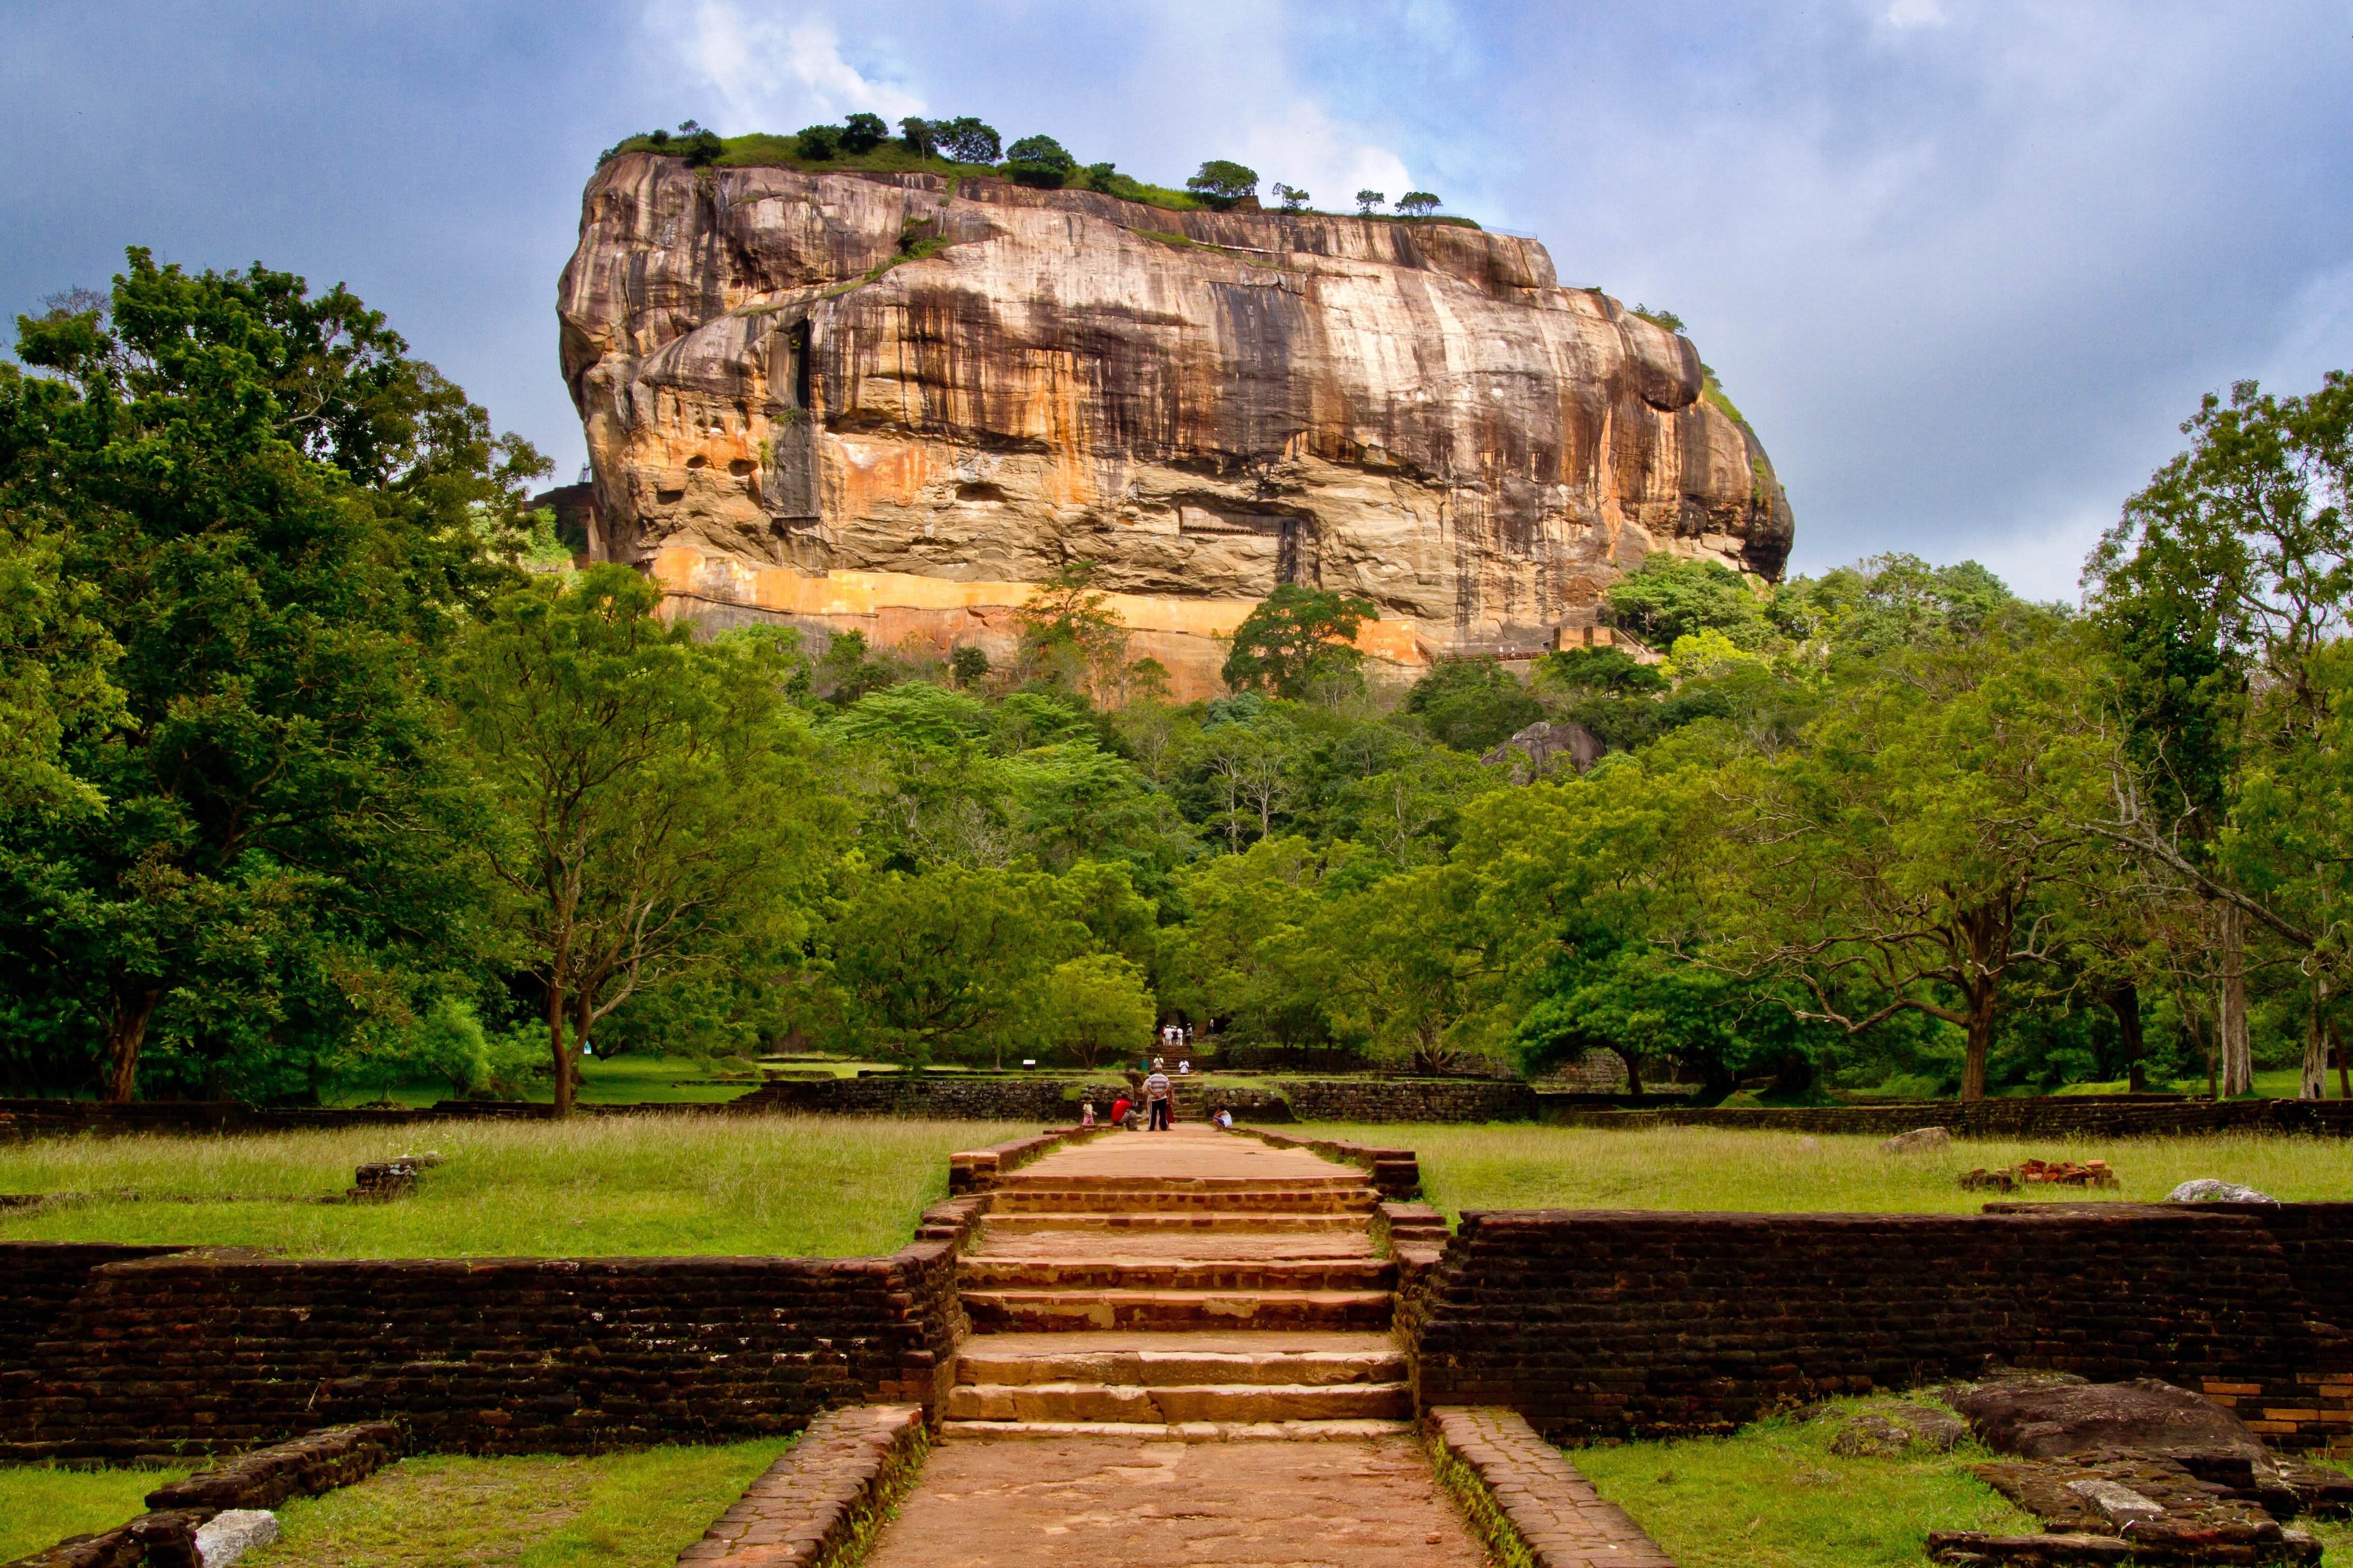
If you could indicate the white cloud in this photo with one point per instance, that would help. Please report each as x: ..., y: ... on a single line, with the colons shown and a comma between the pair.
x: 773, y: 76
x: 1331, y: 160
x: 1915, y: 14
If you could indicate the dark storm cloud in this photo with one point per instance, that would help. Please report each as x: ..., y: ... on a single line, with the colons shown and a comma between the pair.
x: 1964, y: 265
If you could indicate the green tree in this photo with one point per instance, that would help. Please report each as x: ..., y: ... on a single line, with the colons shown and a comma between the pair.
x: 1406, y: 965
x: 272, y: 513
x: 862, y: 134
x: 946, y: 963
x: 1417, y: 204
x: 1041, y: 161
x: 1221, y: 184
x: 1668, y: 597
x: 920, y: 137
x: 1094, y: 1008
x: 1292, y: 199
x: 2220, y: 591
x: 1472, y: 704
x: 1294, y: 636
x: 656, y: 795
x: 1367, y: 200
x: 968, y: 141
x: 1896, y: 863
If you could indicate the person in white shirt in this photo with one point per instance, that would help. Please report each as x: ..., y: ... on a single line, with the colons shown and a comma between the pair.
x: 1160, y: 1096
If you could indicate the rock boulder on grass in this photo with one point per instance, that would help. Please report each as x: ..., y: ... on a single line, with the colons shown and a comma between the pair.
x: 2207, y: 1190
x: 1919, y: 1140
x: 2045, y: 1417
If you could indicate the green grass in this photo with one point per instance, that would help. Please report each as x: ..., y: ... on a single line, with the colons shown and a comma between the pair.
x: 630, y: 1079
x: 1774, y: 1496
x: 1519, y: 1166
x: 650, y: 1186
x: 613, y: 1510
x: 41, y: 1505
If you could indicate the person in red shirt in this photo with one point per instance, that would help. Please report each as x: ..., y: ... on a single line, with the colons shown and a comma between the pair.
x: 1118, y: 1109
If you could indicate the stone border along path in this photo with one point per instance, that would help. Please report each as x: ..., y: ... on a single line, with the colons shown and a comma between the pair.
x: 1183, y: 1354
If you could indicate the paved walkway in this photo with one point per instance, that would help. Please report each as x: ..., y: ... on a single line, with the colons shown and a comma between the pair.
x: 1124, y: 1502
x: 1181, y: 1355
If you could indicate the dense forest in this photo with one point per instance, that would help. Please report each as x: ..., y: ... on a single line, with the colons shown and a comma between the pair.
x: 323, y: 769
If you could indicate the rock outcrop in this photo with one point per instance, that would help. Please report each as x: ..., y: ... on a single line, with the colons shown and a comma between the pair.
x: 878, y: 400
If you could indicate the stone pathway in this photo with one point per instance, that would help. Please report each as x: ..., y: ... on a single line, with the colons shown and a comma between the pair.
x: 1182, y: 1354
x: 1184, y: 1280
x: 1092, y: 1501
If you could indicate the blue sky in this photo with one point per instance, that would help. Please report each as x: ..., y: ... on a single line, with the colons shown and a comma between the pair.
x: 1965, y: 267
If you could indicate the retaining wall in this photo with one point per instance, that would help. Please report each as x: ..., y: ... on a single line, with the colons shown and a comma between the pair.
x: 495, y: 1355
x: 2050, y: 1116
x: 1600, y: 1325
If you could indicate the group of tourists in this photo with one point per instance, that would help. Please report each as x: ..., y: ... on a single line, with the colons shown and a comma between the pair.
x: 1158, y: 1106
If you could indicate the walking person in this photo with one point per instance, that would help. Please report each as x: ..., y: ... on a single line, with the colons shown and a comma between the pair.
x: 1160, y: 1095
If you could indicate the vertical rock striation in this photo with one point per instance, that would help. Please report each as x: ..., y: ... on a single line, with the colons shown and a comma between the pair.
x: 878, y: 400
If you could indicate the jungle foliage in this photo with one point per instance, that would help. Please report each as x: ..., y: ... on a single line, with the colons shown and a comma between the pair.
x: 308, y: 786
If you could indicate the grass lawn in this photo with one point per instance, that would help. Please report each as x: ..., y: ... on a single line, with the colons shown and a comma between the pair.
x: 615, y: 1510
x: 41, y: 1505
x: 1518, y: 1166
x: 649, y: 1185
x: 1774, y: 1496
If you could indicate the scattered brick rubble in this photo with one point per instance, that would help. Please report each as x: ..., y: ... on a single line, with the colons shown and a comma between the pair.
x: 2136, y: 1473
x: 167, y: 1535
x: 2041, y: 1173
x: 380, y: 1180
x: 820, y: 1503
x: 1529, y: 1501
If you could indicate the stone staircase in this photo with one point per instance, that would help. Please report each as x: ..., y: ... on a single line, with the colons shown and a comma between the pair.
x: 1188, y: 1283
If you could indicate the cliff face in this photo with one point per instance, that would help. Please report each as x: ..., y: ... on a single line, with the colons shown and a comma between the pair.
x: 857, y: 400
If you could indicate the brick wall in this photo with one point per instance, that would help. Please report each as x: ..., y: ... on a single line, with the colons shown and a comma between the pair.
x: 1597, y: 1325
x: 1440, y: 1100
x: 38, y: 1279
x: 486, y: 1355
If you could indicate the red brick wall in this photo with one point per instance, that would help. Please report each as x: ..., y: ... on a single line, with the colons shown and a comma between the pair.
x: 487, y: 1354
x: 1595, y: 1325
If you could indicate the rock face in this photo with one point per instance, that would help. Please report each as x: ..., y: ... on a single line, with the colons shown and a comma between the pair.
x: 877, y: 401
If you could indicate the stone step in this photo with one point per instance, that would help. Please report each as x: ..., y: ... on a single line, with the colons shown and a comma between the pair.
x: 980, y: 1272
x: 1356, y: 1200
x: 1021, y: 1224
x: 1185, y: 1431
x: 1028, y: 1180
x: 1047, y: 1312
x: 1218, y: 1402
x: 1162, y: 1360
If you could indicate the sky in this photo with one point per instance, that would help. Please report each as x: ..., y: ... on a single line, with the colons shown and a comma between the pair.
x: 1965, y: 267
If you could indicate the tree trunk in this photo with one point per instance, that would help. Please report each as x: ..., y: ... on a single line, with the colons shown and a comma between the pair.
x: 2344, y: 1068
x: 2313, y: 1082
x: 556, y: 1046
x: 126, y: 1031
x: 1981, y: 996
x: 2238, y: 1061
x: 1633, y: 1069
x: 2124, y: 1002
x: 582, y: 1006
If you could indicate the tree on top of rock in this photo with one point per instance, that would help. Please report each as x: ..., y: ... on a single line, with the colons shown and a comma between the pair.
x: 1417, y: 204
x: 967, y: 140
x: 863, y: 133
x: 1039, y: 161
x: 1295, y: 639
x: 1221, y: 184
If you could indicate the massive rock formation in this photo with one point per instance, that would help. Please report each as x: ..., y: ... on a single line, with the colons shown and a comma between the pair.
x: 877, y: 401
